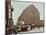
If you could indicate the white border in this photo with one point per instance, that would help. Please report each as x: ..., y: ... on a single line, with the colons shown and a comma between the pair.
x: 2, y: 17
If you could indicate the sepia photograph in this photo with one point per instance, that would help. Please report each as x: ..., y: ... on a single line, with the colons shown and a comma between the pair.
x: 24, y: 17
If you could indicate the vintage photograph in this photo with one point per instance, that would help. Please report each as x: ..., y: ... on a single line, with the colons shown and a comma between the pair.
x: 24, y: 17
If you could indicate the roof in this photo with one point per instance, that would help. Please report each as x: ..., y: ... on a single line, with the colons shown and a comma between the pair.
x: 30, y: 14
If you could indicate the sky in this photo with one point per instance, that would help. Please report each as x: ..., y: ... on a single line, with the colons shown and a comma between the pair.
x: 20, y: 6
